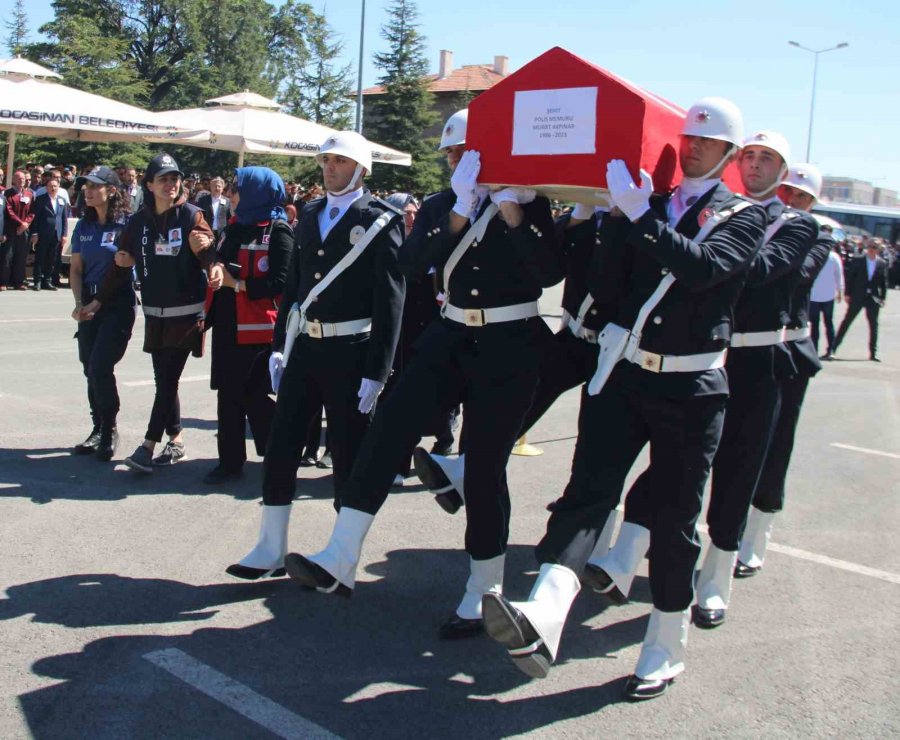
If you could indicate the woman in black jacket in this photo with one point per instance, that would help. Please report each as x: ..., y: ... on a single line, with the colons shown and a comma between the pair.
x: 251, y: 265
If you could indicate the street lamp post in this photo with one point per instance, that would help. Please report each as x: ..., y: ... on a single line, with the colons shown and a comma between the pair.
x: 812, y: 102
x: 362, y: 33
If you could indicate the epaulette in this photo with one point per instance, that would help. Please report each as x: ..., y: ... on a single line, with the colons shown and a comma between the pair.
x: 387, y: 206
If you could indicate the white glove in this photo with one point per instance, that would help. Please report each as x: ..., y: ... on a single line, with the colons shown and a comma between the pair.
x: 276, y: 369
x: 465, y: 182
x: 513, y: 195
x: 369, y: 390
x: 632, y: 200
x: 582, y: 212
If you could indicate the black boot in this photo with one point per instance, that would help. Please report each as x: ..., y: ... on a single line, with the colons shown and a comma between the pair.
x: 109, y: 441
x: 89, y: 446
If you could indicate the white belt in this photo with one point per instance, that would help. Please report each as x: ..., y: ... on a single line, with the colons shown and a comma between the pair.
x: 588, y: 335
x: 792, y: 335
x: 320, y: 330
x: 655, y: 363
x: 482, y: 316
x: 758, y: 338
x: 164, y: 313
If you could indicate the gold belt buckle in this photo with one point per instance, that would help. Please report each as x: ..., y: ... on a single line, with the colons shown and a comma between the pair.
x: 652, y: 362
x: 314, y: 329
x: 473, y: 317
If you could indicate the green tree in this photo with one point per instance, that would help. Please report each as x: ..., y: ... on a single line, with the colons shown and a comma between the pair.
x: 17, y: 25
x: 320, y: 90
x: 398, y: 117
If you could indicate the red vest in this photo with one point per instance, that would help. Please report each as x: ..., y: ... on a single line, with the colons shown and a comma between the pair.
x: 255, y: 318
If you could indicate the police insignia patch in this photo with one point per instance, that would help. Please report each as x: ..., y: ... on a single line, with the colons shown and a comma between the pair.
x: 703, y: 116
x: 704, y: 216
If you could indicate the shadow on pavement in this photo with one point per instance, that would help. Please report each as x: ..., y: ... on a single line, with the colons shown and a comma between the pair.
x: 370, y: 666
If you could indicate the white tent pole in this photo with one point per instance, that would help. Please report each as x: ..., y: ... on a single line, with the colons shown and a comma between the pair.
x: 10, y: 156
x: 241, y: 158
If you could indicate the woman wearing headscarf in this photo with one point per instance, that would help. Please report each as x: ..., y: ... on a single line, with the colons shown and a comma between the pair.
x: 244, y: 285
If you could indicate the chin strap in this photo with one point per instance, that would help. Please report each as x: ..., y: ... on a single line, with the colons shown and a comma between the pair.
x: 718, y: 164
x: 758, y: 195
x: 350, y: 185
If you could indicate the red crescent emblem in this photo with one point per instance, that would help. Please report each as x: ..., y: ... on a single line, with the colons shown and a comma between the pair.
x: 704, y: 216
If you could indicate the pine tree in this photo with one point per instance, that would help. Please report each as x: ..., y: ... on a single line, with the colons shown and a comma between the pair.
x: 398, y: 117
x: 17, y: 25
x: 319, y: 90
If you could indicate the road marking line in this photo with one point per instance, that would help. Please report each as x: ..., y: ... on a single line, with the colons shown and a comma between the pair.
x: 865, y: 450
x: 238, y: 697
x: 139, y: 383
x: 835, y: 563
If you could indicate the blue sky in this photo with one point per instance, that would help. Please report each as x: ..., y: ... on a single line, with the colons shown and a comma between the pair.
x: 684, y: 51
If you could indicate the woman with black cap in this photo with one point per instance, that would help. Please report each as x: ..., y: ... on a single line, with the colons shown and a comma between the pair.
x: 251, y: 263
x: 169, y: 242
x: 103, y: 335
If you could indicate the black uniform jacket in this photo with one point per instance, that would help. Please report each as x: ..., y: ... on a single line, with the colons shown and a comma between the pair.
x: 508, y: 266
x: 765, y: 303
x: 803, y: 351
x: 858, y: 284
x: 371, y: 288
x: 695, y: 315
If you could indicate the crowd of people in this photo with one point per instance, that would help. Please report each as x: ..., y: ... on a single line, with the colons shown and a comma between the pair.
x: 686, y: 322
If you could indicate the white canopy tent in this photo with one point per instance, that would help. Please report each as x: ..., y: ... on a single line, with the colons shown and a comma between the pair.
x: 247, y: 122
x: 40, y: 107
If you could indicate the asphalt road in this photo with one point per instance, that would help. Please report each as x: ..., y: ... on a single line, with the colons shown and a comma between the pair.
x: 119, y: 621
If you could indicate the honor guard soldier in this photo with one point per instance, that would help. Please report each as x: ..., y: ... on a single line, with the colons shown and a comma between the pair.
x: 799, y: 190
x: 569, y: 360
x: 335, y: 336
x: 757, y: 362
x: 673, y: 273
x: 495, y: 253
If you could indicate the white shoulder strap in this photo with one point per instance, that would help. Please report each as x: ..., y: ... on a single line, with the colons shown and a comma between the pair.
x: 476, y: 231
x: 348, y: 259
x: 777, y: 224
x: 582, y: 311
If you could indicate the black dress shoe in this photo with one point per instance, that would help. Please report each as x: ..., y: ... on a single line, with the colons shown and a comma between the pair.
x: 307, y: 461
x: 435, y: 479
x: 638, y: 689
x: 745, y: 571
x: 510, y: 627
x: 48, y: 286
x: 708, y: 619
x: 874, y: 358
x: 827, y: 356
x: 599, y: 580
x: 314, y: 575
x: 106, y: 447
x: 457, y: 628
x: 89, y: 446
x: 442, y: 450
x: 220, y: 474
x: 254, y: 574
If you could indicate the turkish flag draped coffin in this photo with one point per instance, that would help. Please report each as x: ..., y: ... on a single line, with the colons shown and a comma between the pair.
x: 555, y: 123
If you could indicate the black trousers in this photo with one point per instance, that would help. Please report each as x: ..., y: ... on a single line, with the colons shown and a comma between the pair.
x: 493, y: 372
x: 13, y: 253
x: 750, y: 417
x: 168, y: 364
x: 770, y: 491
x: 241, y: 399
x: 319, y: 371
x: 102, y: 342
x: 45, y: 261
x: 567, y: 363
x: 872, y: 309
x: 613, y: 428
x: 826, y: 310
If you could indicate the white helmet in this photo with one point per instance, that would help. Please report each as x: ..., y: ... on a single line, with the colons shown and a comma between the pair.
x: 715, y: 118
x: 454, y: 132
x: 805, y: 177
x: 771, y: 140
x: 348, y: 144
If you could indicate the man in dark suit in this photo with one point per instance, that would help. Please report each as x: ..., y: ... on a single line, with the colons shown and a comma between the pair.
x: 867, y: 286
x: 49, y: 231
x: 215, y: 205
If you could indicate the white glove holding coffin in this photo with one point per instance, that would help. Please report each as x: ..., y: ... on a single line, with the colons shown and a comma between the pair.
x: 632, y: 200
x: 513, y: 195
x: 464, y: 182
